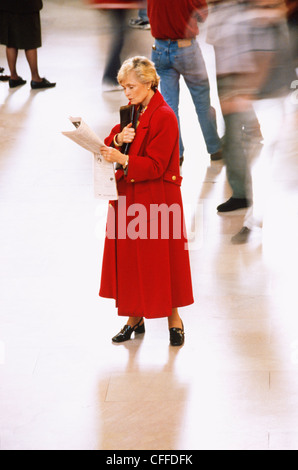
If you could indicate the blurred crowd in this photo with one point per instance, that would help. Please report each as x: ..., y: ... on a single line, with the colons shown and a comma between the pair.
x: 256, y: 53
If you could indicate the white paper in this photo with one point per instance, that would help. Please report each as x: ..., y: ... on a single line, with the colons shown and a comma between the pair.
x: 104, y: 179
x: 105, y: 186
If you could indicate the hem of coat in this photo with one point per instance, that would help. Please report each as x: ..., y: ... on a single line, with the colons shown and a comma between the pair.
x: 147, y: 315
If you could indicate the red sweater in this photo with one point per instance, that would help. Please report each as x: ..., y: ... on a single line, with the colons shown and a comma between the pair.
x: 176, y: 19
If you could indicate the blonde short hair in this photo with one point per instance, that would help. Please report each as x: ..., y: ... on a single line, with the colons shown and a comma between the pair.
x: 143, y: 68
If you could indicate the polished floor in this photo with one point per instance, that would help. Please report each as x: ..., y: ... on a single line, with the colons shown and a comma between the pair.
x: 63, y: 384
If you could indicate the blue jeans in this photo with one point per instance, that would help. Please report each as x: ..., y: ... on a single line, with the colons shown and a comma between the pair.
x: 143, y: 14
x: 171, y: 62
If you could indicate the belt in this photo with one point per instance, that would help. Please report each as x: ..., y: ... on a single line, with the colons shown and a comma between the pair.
x: 180, y: 42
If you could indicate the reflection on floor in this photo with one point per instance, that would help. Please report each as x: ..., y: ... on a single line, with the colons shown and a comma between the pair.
x: 64, y: 385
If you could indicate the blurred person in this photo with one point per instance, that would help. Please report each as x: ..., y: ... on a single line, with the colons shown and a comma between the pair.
x: 176, y: 53
x: 146, y: 262
x: 273, y: 31
x: 117, y: 13
x: 20, y: 28
x: 252, y: 62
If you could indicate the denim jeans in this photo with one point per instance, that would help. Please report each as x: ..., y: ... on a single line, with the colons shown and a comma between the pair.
x: 171, y: 63
x: 143, y: 14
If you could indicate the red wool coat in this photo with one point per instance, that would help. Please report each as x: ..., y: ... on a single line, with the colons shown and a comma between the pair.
x: 146, y: 265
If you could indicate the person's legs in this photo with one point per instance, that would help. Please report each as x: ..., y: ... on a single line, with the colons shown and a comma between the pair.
x: 236, y: 158
x: 169, y: 80
x: 118, y: 17
x: 190, y: 63
x: 14, y: 80
x: 132, y: 321
x: 31, y: 56
x: 170, y: 89
x: 174, y: 320
x: 12, y: 55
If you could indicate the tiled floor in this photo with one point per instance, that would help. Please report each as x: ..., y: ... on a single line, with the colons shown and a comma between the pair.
x: 63, y: 384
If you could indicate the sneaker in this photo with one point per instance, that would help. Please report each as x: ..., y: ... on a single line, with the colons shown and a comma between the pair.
x: 139, y: 24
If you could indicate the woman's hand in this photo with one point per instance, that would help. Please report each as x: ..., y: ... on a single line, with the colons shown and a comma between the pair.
x: 113, y: 155
x: 126, y: 136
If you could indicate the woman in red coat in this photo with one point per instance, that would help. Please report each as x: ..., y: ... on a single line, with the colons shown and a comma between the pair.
x: 146, y: 262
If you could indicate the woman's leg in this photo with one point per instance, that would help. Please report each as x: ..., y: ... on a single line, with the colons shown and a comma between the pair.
x: 132, y: 321
x: 31, y: 56
x: 12, y: 55
x: 174, y: 320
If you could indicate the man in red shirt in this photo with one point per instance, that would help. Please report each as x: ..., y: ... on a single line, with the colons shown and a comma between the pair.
x: 176, y: 53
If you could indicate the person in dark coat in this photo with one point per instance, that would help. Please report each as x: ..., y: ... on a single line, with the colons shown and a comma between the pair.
x: 20, y: 28
x: 146, y: 265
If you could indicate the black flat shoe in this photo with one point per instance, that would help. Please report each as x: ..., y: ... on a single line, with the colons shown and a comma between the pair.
x: 15, y: 83
x: 43, y: 84
x: 127, y: 331
x: 177, y: 336
x: 234, y: 204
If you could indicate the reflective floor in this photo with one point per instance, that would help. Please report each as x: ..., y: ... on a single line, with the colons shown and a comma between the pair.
x: 63, y: 384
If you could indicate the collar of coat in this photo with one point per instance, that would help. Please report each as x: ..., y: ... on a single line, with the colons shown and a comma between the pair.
x: 156, y: 101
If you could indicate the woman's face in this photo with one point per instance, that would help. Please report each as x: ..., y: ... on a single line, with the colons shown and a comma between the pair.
x: 135, y: 91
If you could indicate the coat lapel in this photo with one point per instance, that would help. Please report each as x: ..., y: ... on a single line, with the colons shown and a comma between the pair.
x: 156, y: 101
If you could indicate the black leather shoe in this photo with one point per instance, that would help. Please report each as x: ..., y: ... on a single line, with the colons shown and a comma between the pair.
x: 43, y: 84
x: 177, y: 336
x: 234, y: 204
x: 15, y: 83
x: 127, y: 331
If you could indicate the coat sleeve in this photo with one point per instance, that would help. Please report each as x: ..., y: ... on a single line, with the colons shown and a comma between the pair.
x: 109, y: 140
x: 162, y: 140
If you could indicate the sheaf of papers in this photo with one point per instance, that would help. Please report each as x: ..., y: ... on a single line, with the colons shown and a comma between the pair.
x: 103, y: 172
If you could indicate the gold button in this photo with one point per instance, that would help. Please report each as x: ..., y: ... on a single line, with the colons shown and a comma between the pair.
x: 132, y: 181
x: 174, y: 178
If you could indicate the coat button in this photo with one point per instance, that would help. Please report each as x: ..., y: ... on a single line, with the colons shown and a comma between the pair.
x: 174, y: 178
x: 132, y: 181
